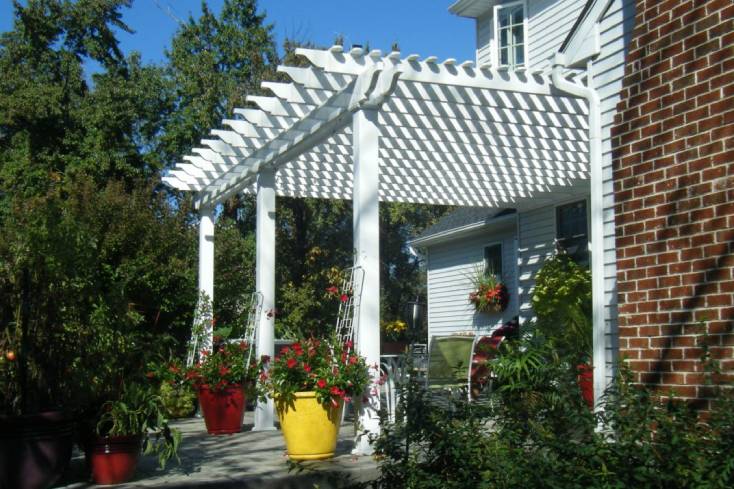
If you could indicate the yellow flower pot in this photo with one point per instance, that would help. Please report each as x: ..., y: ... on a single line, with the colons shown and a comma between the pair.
x: 310, y: 430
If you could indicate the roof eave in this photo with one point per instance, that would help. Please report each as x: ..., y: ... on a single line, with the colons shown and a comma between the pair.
x: 470, y: 8
x: 461, y: 231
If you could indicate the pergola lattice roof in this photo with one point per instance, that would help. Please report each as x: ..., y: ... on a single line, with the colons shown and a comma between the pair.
x: 449, y: 134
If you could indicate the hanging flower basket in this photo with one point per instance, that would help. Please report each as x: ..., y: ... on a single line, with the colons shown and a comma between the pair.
x: 490, y: 297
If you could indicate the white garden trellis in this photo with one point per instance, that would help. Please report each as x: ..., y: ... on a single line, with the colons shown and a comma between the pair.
x: 359, y: 125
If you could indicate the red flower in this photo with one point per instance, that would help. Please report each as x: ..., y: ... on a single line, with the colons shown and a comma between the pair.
x: 353, y: 360
x: 174, y: 369
x: 344, y: 298
x: 332, y: 290
x: 321, y: 383
x: 291, y: 362
x: 243, y: 345
x: 223, y: 370
x: 349, y: 344
x: 306, y: 367
x: 150, y: 375
x: 285, y: 350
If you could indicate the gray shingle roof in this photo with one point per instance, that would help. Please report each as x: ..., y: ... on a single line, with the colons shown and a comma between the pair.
x: 464, y: 216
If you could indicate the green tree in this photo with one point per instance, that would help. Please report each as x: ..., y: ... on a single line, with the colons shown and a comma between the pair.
x: 215, y: 62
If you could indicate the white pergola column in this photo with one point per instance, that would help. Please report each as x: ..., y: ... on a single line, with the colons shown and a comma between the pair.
x: 265, y: 283
x: 206, y: 272
x: 365, y: 201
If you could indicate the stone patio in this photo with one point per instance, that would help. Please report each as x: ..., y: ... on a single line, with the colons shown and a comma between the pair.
x: 245, y: 460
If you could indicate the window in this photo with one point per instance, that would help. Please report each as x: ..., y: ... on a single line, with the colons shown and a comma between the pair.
x: 509, y: 31
x: 493, y: 260
x: 572, y: 235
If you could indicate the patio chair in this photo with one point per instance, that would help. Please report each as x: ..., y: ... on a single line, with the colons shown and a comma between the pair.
x: 449, y: 367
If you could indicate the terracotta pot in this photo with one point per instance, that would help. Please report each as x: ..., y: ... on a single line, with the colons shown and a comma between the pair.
x: 34, y: 449
x: 393, y: 347
x: 222, y: 409
x: 585, y: 380
x: 310, y: 429
x: 113, y: 459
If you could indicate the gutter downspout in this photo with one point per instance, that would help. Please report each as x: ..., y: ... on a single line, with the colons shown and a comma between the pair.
x: 597, y: 215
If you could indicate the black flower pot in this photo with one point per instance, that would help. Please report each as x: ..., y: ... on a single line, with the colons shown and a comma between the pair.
x: 34, y: 449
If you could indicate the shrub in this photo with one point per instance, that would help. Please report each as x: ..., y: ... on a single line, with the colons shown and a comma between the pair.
x: 536, y: 432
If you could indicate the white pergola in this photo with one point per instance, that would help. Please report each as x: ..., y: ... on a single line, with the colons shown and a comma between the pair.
x: 359, y: 125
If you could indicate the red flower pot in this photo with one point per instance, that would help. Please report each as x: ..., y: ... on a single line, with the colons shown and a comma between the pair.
x: 222, y: 409
x: 585, y: 380
x: 113, y: 458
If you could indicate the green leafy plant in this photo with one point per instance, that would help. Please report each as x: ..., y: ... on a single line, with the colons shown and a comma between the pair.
x: 562, y: 304
x: 140, y: 411
x: 536, y: 432
x: 327, y: 367
x: 176, y: 392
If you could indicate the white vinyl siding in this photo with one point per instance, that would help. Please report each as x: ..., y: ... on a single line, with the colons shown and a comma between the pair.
x: 484, y: 39
x: 548, y: 23
x: 536, y: 239
x: 615, y: 31
x: 450, y: 267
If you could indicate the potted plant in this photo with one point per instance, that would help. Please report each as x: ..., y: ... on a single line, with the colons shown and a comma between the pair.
x: 36, y: 420
x: 393, y: 336
x: 176, y: 392
x: 310, y: 380
x: 133, y: 423
x: 562, y: 304
x: 223, y: 380
x: 489, y: 294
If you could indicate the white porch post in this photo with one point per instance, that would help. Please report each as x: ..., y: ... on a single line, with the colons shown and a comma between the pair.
x: 265, y: 282
x: 365, y: 201
x: 206, y: 269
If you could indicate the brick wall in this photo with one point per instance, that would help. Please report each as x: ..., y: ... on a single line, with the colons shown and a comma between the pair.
x: 673, y: 144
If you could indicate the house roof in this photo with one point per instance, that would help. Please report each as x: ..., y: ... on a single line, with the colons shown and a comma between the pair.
x: 450, y: 133
x: 461, y: 221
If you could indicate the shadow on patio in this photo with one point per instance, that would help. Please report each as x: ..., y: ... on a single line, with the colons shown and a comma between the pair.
x: 245, y: 460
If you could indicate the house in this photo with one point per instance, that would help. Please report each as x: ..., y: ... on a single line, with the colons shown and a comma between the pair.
x: 591, y: 38
x: 662, y: 76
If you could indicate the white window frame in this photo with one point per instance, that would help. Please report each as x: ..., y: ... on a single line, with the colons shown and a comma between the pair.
x: 496, y: 33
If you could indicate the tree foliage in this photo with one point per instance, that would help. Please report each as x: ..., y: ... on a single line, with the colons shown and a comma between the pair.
x: 97, y: 258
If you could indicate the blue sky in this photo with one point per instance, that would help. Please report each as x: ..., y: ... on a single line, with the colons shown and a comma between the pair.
x: 423, y: 27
